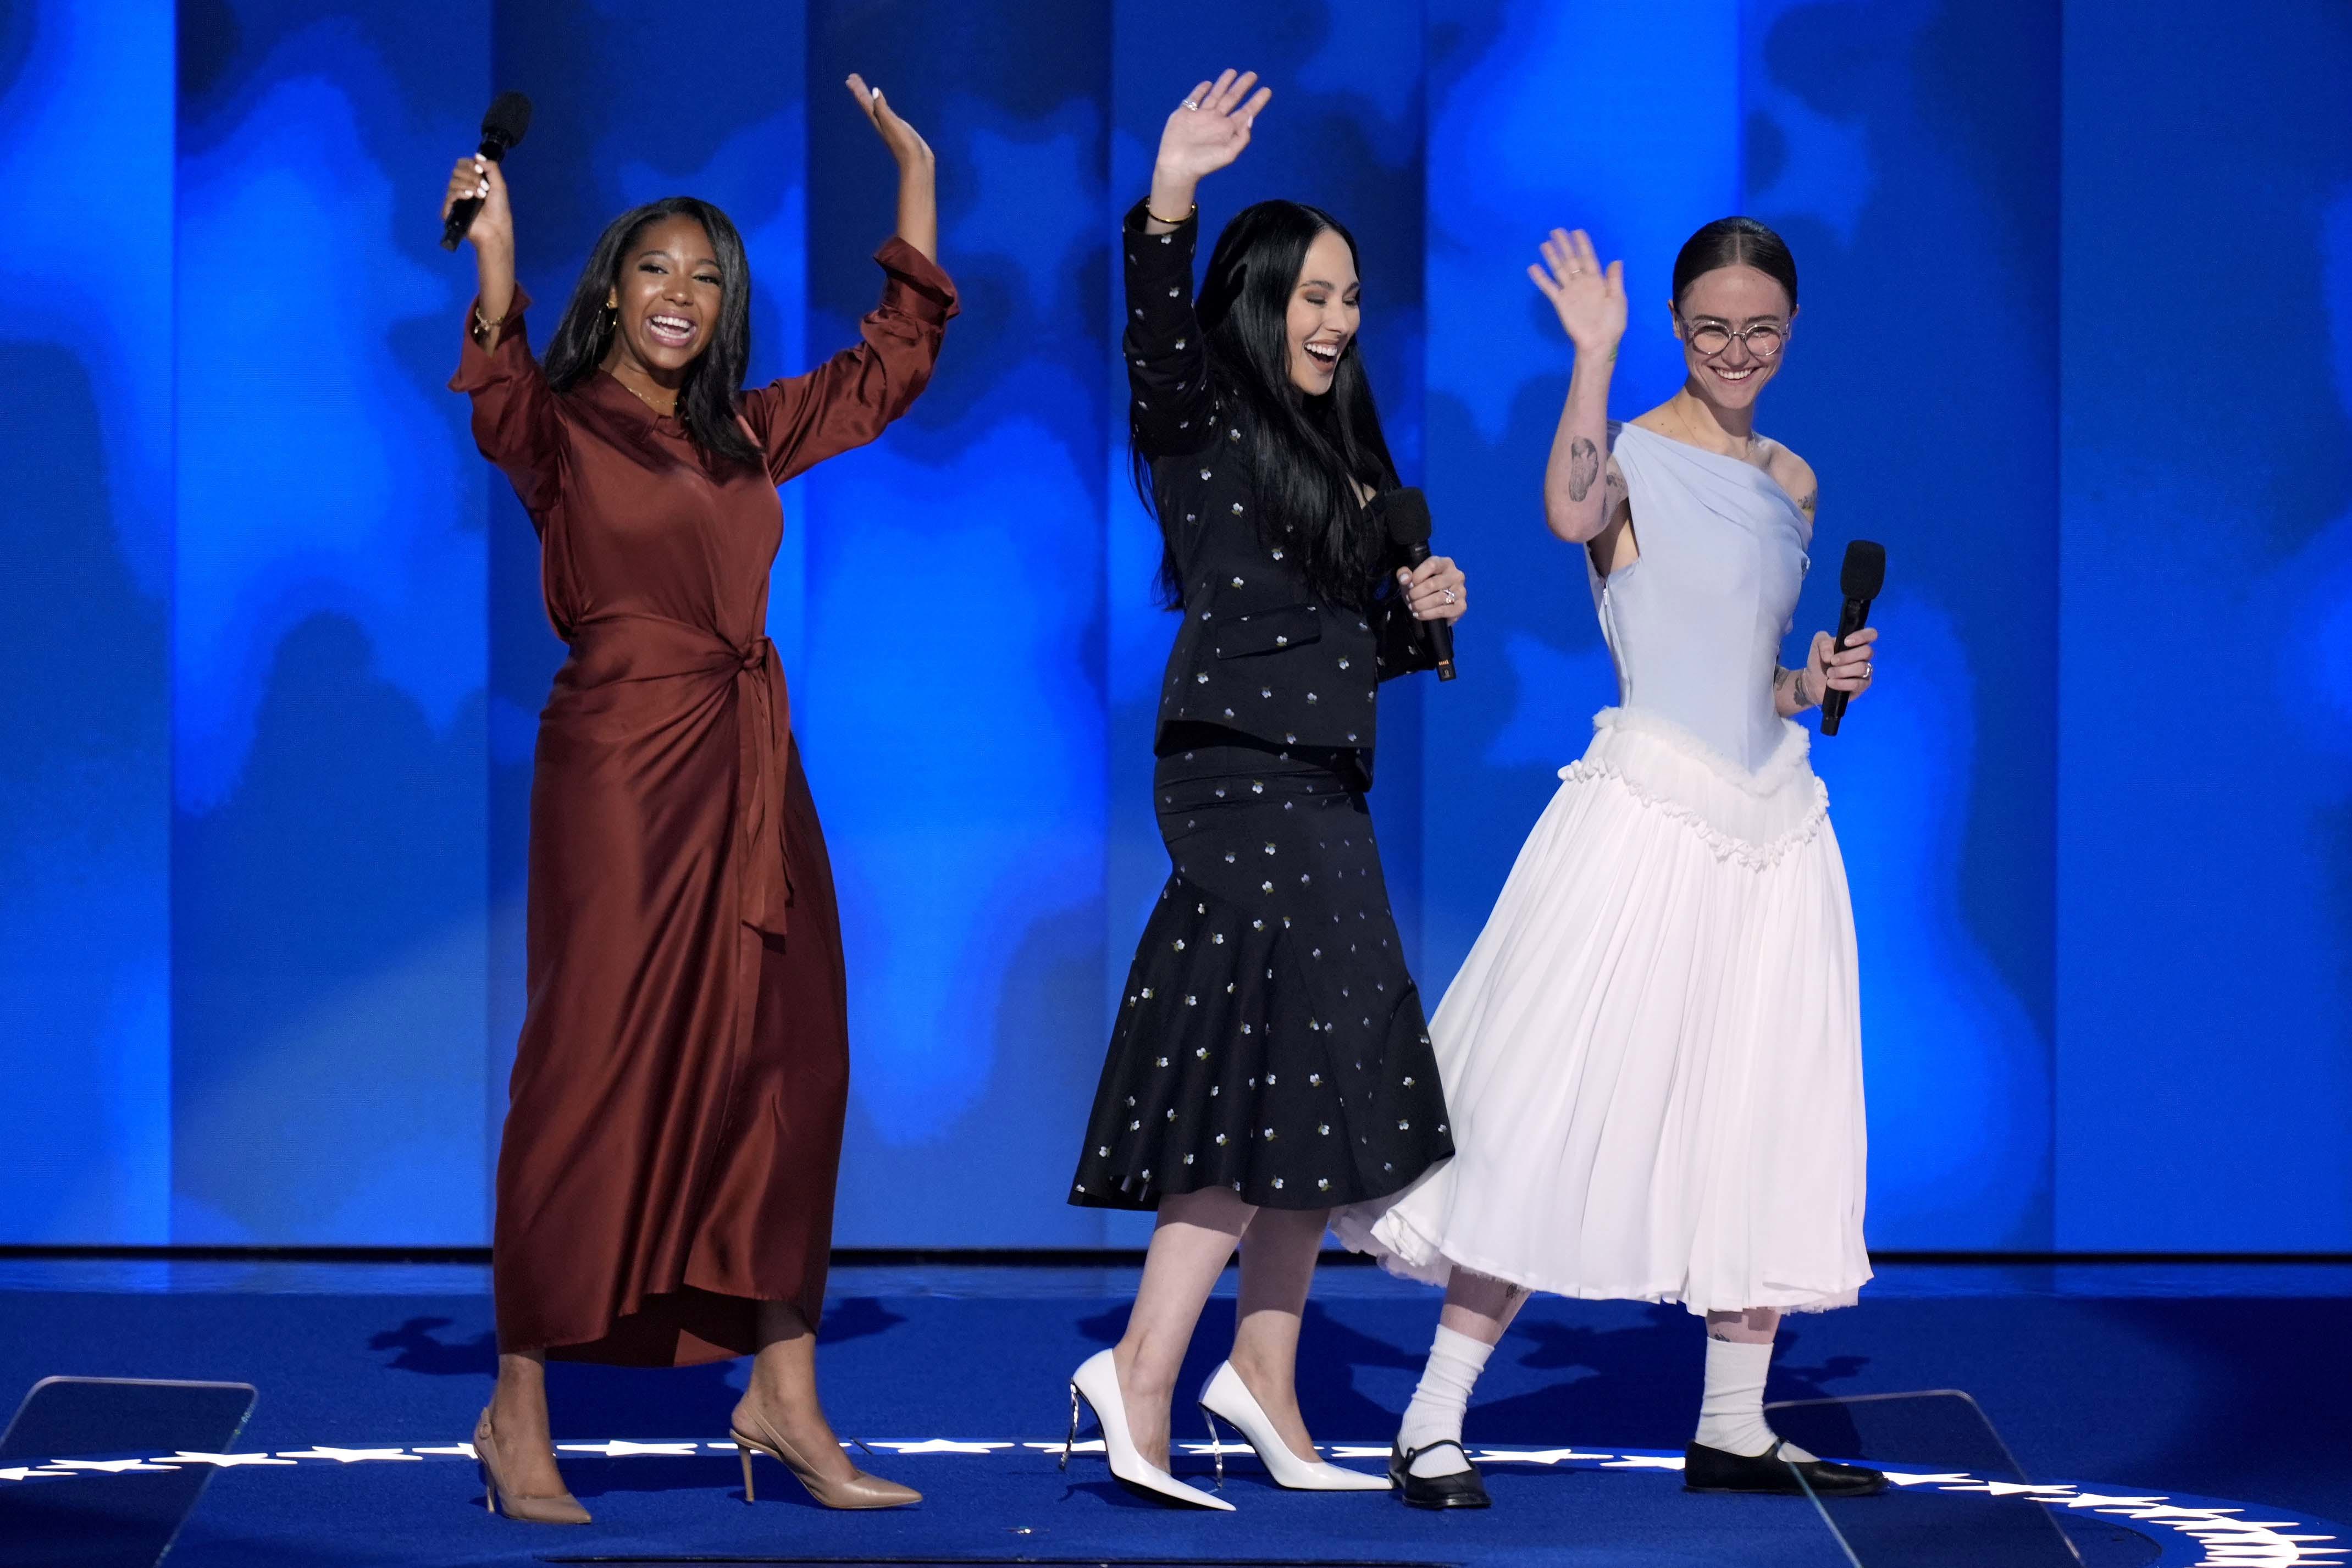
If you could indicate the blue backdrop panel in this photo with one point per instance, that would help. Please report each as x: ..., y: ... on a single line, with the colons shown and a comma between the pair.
x: 84, y: 771
x: 950, y: 711
x: 1343, y: 133
x: 327, y: 638
x: 1631, y: 155
x: 265, y: 749
x: 2205, y: 820
x: 1921, y: 384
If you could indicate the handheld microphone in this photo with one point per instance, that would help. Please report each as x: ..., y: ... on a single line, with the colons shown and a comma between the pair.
x: 1405, y: 515
x: 1860, y: 578
x: 503, y: 127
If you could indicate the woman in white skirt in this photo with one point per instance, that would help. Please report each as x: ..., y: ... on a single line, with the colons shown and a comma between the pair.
x: 1653, y: 1054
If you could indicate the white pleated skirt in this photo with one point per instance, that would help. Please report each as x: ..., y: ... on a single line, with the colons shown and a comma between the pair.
x: 1653, y: 1056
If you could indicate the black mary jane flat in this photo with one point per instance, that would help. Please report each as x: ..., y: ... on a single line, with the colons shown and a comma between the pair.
x: 1712, y: 1470
x: 1463, y: 1489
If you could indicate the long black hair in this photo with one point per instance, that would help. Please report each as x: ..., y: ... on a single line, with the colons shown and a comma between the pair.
x: 1736, y: 241
x: 1303, y: 450
x: 706, y: 399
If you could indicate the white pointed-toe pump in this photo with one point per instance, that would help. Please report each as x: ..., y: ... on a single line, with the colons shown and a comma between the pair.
x: 1097, y: 1382
x: 1226, y: 1397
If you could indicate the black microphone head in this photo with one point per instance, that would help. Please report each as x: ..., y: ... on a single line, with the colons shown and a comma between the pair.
x: 508, y: 117
x: 1404, y: 515
x: 1864, y: 572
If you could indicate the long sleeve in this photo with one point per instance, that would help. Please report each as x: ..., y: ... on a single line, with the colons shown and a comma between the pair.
x: 1402, y: 642
x: 515, y: 420
x: 1166, y: 359
x: 850, y: 399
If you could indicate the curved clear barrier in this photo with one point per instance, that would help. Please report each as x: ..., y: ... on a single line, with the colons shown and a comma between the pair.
x: 154, y: 1443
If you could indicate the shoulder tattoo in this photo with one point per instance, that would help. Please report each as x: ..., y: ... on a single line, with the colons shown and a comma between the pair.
x: 1808, y: 501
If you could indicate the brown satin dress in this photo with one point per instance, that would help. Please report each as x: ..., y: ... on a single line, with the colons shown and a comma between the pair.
x: 673, y: 1134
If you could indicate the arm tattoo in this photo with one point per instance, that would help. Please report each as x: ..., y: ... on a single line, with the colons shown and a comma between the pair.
x: 1583, y: 467
x: 1808, y: 501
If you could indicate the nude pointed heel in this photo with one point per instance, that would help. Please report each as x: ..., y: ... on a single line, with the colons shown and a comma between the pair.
x: 1226, y: 1397
x: 1097, y: 1382
x: 497, y: 1497
x: 860, y: 1491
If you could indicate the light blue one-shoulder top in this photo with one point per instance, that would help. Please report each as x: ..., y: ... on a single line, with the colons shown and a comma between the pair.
x: 1696, y: 623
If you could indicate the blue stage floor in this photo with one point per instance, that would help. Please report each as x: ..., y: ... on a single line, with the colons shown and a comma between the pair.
x: 2148, y: 1396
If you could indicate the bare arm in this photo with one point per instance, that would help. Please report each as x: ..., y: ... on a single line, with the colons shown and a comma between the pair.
x: 1591, y: 302
x: 918, y: 207
x: 1794, y: 691
x: 1576, y: 497
x: 492, y: 234
x: 1827, y: 667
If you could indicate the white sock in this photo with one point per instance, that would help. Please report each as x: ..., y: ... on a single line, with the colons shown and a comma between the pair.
x: 1456, y: 1360
x: 1731, y: 1411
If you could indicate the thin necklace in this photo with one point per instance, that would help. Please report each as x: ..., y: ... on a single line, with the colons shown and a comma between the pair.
x: 669, y: 412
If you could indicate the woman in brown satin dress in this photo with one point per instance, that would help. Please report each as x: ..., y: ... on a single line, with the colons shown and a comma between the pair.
x: 666, y: 1180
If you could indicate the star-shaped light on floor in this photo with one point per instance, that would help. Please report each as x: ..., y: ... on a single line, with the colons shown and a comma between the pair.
x: 1646, y: 1463
x: 1535, y: 1457
x: 111, y: 1467
x: 622, y: 1448
x: 225, y: 1461
x: 1083, y: 1446
x: 942, y: 1445
x: 1358, y: 1451
x: 349, y: 1456
x: 1902, y: 1478
x: 1206, y: 1450
x: 454, y: 1450
x: 22, y: 1472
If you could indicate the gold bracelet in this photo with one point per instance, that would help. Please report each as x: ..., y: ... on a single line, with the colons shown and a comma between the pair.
x: 485, y: 324
x: 1172, y: 222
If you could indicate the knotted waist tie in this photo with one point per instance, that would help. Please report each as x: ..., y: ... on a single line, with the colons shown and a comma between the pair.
x: 633, y: 646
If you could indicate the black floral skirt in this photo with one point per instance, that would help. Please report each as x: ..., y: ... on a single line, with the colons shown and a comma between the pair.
x: 1269, y: 1039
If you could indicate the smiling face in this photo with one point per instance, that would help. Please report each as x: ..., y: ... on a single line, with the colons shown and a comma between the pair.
x: 667, y: 298
x: 1324, y: 313
x: 1727, y: 370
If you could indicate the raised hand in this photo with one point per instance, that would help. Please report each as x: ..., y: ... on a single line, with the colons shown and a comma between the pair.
x: 1590, y: 298
x: 492, y: 232
x: 1208, y: 131
x: 919, y: 208
x: 905, y: 144
x: 494, y: 224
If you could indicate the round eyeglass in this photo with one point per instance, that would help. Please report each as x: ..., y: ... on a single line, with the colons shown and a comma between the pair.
x: 1765, y: 339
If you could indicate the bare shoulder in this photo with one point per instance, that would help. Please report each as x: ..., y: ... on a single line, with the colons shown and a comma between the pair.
x: 1794, y: 474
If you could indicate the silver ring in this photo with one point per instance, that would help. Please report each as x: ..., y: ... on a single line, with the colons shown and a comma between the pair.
x: 1190, y: 103
x: 1449, y: 594
x: 1865, y: 672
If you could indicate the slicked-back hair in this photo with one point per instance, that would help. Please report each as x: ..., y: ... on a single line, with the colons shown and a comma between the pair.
x: 1303, y: 451
x: 1734, y: 242
x: 705, y: 399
